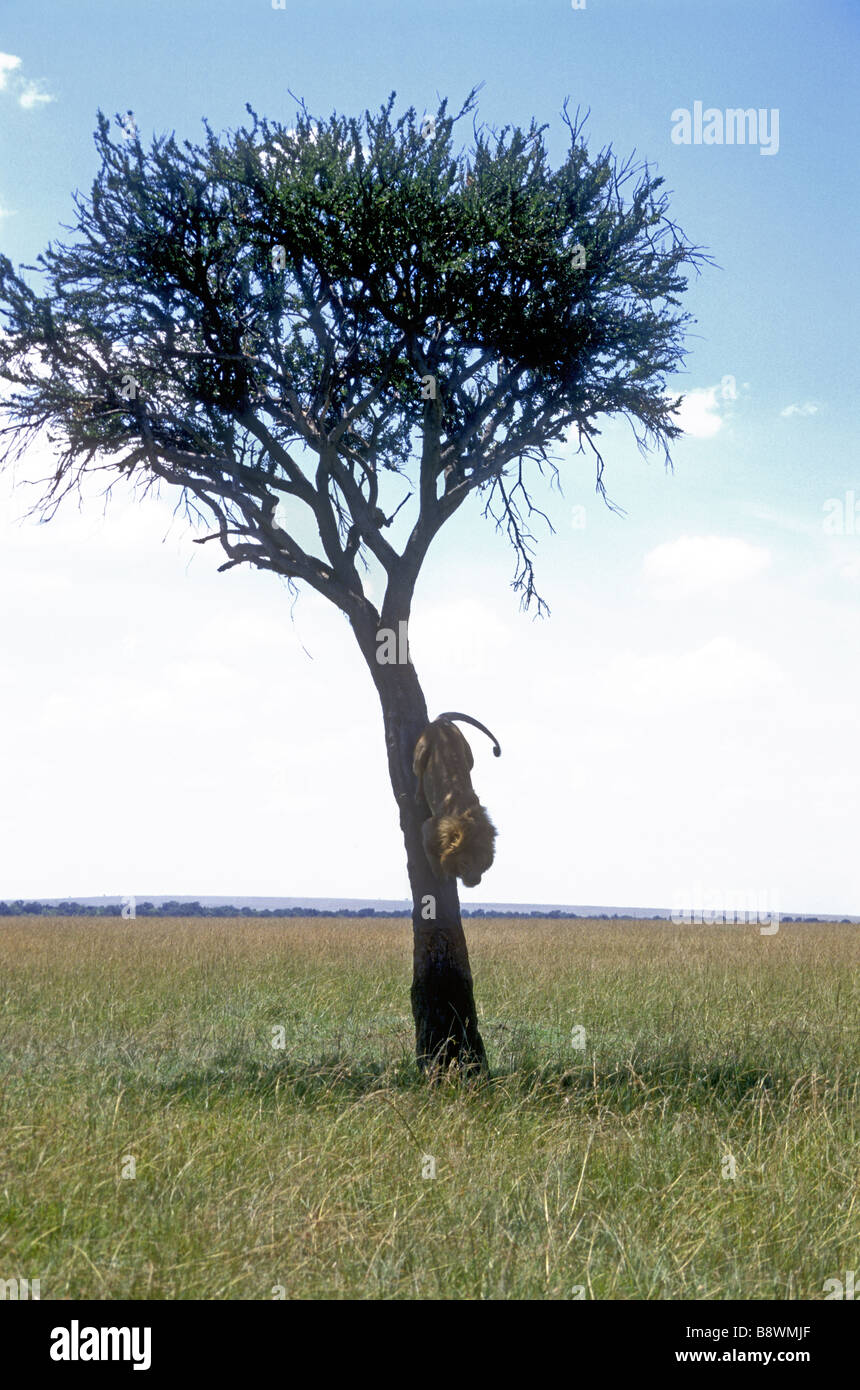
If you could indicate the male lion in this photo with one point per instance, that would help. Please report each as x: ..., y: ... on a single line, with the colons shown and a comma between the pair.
x: 459, y: 837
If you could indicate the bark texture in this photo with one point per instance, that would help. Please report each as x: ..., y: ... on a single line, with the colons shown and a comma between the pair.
x: 443, y: 1001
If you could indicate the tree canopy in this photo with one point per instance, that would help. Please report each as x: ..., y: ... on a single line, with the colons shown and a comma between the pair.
x: 327, y: 336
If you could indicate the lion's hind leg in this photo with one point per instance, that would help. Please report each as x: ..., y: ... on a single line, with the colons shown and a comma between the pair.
x: 419, y: 764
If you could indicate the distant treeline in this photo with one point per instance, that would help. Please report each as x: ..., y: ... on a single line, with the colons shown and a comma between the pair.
x: 20, y: 908
x: 175, y: 909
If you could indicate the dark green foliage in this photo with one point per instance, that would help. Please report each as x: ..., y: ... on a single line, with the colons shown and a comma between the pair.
x: 250, y: 320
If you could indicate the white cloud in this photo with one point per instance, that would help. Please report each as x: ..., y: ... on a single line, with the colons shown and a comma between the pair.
x: 719, y: 669
x: 28, y: 93
x: 699, y: 413
x: 703, y: 564
x: 808, y: 408
x: 31, y: 95
x: 8, y: 63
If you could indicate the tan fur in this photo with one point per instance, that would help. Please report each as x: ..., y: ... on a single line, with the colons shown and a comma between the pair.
x: 459, y: 837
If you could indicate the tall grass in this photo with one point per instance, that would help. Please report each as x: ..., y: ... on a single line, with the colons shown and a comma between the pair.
x: 699, y: 1141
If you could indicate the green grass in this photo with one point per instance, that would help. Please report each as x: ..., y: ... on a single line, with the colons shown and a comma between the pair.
x: 301, y: 1167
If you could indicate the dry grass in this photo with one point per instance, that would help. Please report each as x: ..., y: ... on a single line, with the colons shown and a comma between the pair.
x: 300, y: 1167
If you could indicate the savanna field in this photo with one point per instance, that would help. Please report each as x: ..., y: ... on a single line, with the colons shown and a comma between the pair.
x: 597, y: 1166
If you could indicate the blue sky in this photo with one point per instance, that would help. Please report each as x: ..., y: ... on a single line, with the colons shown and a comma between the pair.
x: 686, y: 721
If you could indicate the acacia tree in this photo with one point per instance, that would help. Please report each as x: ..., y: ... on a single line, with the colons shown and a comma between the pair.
x: 327, y: 338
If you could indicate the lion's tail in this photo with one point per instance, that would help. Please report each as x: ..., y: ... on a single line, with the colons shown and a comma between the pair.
x: 467, y: 719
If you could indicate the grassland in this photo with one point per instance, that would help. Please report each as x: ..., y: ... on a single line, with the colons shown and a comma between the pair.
x: 604, y: 1168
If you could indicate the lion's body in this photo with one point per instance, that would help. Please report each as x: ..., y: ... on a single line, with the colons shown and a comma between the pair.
x: 459, y: 837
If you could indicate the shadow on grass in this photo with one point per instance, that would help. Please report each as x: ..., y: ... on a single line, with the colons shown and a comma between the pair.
x: 639, y: 1081
x: 235, y: 1073
x: 675, y: 1082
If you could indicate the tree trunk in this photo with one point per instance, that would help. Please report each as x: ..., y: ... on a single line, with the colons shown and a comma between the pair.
x: 443, y: 1003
